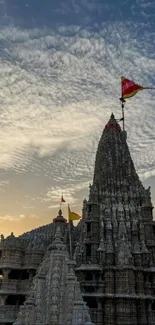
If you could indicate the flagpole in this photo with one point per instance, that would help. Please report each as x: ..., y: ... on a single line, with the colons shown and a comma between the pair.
x: 122, y: 105
x: 123, y: 115
x: 70, y: 241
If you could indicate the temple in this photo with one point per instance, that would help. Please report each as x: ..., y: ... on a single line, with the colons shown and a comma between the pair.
x: 107, y: 276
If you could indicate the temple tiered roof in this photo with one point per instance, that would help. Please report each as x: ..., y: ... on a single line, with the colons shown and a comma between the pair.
x: 55, y: 297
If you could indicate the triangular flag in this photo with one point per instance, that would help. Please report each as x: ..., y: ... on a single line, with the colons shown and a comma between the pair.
x: 62, y: 199
x: 129, y: 88
x: 72, y: 215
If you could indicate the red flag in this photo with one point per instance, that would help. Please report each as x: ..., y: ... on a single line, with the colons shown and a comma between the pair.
x: 62, y: 199
x: 129, y: 88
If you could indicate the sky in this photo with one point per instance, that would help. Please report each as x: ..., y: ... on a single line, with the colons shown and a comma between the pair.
x: 60, y: 68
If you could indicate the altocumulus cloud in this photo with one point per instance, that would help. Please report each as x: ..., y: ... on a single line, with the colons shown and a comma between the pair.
x: 58, y: 88
x: 18, y: 218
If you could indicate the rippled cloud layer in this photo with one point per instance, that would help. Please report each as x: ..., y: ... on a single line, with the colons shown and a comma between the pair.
x: 58, y: 87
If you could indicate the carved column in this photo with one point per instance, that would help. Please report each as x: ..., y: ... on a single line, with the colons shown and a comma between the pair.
x: 125, y: 281
x: 30, y: 275
x: 126, y: 312
x: 70, y: 295
x: 109, y: 312
x: 109, y: 281
x: 6, y: 273
x: 30, y: 312
x: 40, y: 296
x: 2, y: 300
x: 142, y: 312
x: 151, y: 315
x: 99, y: 313
x: 139, y: 283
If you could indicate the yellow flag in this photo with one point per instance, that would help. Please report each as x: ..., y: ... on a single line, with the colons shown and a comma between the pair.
x: 72, y: 215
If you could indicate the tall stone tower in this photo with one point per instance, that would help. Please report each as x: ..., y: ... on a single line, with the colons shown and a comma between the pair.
x: 116, y: 253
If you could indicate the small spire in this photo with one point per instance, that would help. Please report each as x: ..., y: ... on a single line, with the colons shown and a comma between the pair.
x: 58, y: 236
x: 30, y: 300
x: 121, y: 229
x: 144, y: 249
x: 109, y: 246
x: 57, y: 243
x: 101, y: 246
x: 134, y: 226
x: 136, y: 248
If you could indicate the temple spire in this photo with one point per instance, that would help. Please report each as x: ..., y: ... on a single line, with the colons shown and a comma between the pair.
x: 113, y: 163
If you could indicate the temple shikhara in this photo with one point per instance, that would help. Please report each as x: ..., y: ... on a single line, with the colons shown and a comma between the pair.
x: 100, y: 272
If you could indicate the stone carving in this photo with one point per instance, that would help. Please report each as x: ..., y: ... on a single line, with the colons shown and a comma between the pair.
x: 53, y: 287
x: 113, y: 250
x: 121, y: 237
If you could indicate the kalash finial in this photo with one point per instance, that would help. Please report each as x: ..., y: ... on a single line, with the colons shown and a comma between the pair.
x: 112, y: 119
x: 60, y: 217
x: 60, y: 213
x: 112, y: 116
x: 113, y: 123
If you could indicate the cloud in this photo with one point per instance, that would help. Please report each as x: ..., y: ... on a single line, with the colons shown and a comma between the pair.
x: 18, y: 218
x: 28, y: 207
x: 3, y: 185
x: 19, y: 223
x: 54, y: 206
x: 12, y: 218
x: 4, y: 182
x: 54, y: 99
x: 70, y: 194
x: 34, y: 216
x: 58, y: 89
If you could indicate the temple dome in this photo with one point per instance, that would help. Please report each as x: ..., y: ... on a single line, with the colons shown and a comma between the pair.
x: 11, y: 242
x: 59, y: 218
